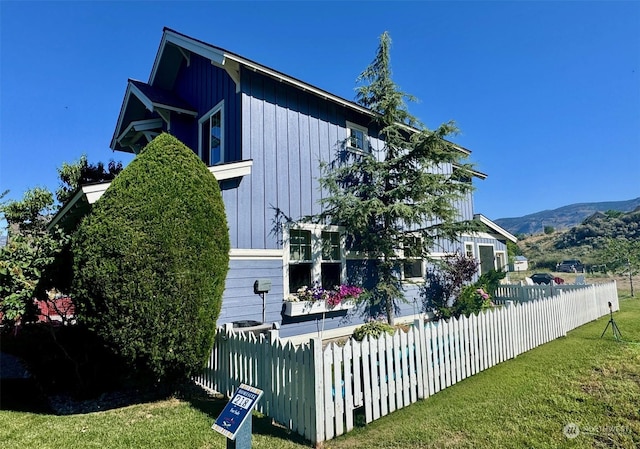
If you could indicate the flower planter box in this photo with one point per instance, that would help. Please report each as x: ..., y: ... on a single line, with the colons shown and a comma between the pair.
x: 297, y: 308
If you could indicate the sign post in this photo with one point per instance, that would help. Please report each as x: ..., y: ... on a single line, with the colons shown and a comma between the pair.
x: 234, y: 421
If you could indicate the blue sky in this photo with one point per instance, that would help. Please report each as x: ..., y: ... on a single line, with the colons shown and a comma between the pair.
x: 546, y: 94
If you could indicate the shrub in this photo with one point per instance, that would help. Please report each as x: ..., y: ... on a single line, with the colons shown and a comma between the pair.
x: 472, y: 300
x: 150, y: 262
x: 443, y: 283
x: 491, y: 280
x: 477, y: 296
x: 373, y: 329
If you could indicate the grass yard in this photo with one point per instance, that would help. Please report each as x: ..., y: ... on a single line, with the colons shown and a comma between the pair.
x: 581, y: 381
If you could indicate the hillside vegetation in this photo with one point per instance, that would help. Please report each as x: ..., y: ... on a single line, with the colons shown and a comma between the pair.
x: 583, y: 241
x: 564, y: 217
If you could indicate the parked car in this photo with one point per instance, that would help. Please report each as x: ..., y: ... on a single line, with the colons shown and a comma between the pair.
x: 570, y: 266
x: 545, y: 278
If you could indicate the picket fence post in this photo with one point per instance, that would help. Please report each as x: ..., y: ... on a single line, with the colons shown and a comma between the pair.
x: 317, y: 432
x: 421, y: 355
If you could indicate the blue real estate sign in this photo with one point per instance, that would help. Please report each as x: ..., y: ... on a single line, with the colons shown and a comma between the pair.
x: 237, y: 410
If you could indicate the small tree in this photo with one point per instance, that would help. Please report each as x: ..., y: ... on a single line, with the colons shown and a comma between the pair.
x: 150, y: 262
x: 29, y: 252
x: 35, y: 259
x: 622, y: 257
x: 385, y: 200
x: 73, y: 175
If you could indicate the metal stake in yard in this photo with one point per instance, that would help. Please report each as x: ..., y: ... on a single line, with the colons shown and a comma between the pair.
x: 616, y: 332
x: 234, y: 421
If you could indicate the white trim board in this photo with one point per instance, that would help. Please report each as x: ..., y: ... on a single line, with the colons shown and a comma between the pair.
x: 231, y: 170
x: 91, y: 192
x: 255, y: 254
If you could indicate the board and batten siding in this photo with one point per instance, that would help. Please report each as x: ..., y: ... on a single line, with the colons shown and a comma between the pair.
x: 240, y: 302
x: 204, y: 85
x: 287, y: 133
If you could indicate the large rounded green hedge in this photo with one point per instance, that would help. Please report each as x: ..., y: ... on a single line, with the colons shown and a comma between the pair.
x: 150, y: 262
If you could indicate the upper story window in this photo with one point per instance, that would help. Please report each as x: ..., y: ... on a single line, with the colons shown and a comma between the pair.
x: 357, y: 138
x: 316, y: 256
x: 211, y: 135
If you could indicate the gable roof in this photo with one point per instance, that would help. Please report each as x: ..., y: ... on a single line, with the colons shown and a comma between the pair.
x: 175, y: 46
x: 231, y: 61
x: 139, y: 98
x: 495, y: 228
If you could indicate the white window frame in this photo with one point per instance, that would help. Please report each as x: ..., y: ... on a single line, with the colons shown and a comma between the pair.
x: 501, y: 255
x: 365, y: 138
x: 207, y: 117
x: 316, y: 252
x: 423, y: 266
x: 479, y: 258
x: 469, y: 249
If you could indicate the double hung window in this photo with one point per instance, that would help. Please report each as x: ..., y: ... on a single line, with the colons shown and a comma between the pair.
x: 300, y: 260
x: 316, y: 255
x: 413, y: 263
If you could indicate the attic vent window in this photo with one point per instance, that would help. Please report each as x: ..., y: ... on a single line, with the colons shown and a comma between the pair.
x: 212, y: 135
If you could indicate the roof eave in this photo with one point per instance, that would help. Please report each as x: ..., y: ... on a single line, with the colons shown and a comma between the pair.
x: 91, y: 193
x: 123, y: 108
x: 493, y: 226
x: 221, y: 57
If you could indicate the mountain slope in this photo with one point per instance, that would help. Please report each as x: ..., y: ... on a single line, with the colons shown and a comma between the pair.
x: 583, y: 241
x: 563, y: 217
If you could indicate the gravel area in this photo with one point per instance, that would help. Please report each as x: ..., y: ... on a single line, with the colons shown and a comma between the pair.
x: 66, y: 405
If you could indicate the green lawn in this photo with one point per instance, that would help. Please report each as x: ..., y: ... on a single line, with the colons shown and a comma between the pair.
x: 581, y: 379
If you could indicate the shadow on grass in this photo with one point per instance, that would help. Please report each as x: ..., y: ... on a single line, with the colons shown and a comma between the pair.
x: 63, y: 370
x: 23, y: 395
x: 261, y: 424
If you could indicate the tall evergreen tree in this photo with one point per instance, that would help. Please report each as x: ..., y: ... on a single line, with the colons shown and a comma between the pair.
x: 404, y: 194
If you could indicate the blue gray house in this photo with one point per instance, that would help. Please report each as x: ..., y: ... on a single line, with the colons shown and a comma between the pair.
x: 263, y: 134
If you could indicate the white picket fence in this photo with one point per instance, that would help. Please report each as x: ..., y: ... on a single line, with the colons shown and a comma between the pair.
x: 318, y: 392
x: 522, y: 293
